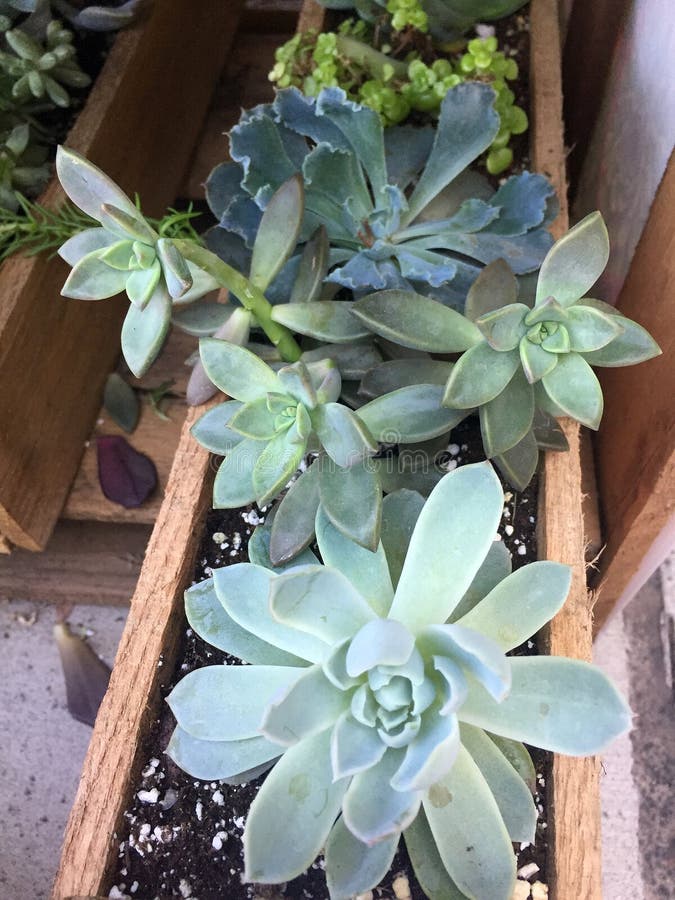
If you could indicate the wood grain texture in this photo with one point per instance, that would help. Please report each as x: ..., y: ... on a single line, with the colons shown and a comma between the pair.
x: 140, y: 123
x: 574, y: 796
x: 635, y: 447
x: 132, y: 698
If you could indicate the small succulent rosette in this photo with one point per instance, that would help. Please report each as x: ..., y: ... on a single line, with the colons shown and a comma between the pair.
x: 379, y: 688
x: 125, y: 254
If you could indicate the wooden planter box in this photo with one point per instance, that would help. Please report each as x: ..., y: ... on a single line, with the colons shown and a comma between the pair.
x: 140, y: 123
x: 156, y: 618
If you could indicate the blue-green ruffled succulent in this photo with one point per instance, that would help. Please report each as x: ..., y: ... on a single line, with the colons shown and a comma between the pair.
x: 379, y: 689
x: 523, y: 366
x: 399, y: 208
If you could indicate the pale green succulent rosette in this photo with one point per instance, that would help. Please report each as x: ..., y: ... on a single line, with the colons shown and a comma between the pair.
x: 125, y: 254
x: 379, y: 685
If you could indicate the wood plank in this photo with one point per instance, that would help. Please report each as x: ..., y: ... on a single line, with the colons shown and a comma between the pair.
x: 635, y: 447
x: 142, y: 111
x: 132, y: 698
x: 574, y: 795
x: 84, y: 562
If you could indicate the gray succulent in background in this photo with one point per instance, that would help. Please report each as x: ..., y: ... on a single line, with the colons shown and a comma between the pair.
x: 379, y: 688
x: 23, y: 166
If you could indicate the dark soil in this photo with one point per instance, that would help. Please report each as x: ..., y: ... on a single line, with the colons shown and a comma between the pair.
x: 182, y: 837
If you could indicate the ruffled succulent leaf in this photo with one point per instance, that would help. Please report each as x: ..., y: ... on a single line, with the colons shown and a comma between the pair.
x: 244, y: 589
x: 503, y: 328
x: 524, y: 202
x: 233, y: 484
x: 344, y: 436
x: 521, y: 604
x: 518, y: 756
x: 301, y: 793
x: 467, y: 126
x: 278, y: 232
x: 85, y: 242
x: 469, y: 832
x: 558, y: 704
x: 398, y: 373
x: 574, y: 387
x: 144, y: 331
x: 427, y: 863
x: 415, y: 321
x: 306, y: 707
x: 352, y: 500
x: 293, y: 525
x: 633, y: 345
x: 326, y: 320
x: 353, y: 867
x: 511, y: 793
x: 495, y: 567
x: 88, y: 187
x: 212, y: 429
x: 400, y: 512
x: 367, y: 570
x: 313, y: 268
x: 589, y: 329
x: 236, y: 371
x: 227, y: 703
x: 519, y: 463
x: 480, y: 375
x: 575, y: 262
x: 443, y: 542
x: 506, y: 419
x: 409, y: 415
x: 208, y: 618
x: 219, y: 760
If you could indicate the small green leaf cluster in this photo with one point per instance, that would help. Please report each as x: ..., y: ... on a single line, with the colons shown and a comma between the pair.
x: 407, y: 14
x: 380, y: 694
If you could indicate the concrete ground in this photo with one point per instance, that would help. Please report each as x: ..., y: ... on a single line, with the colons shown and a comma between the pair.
x: 42, y: 747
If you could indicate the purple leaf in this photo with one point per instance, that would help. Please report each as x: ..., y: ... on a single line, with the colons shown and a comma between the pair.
x: 126, y: 476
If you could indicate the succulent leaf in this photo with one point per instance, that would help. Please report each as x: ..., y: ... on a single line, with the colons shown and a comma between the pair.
x: 278, y: 232
x: 633, y: 345
x: 574, y: 388
x: 506, y: 419
x: 293, y: 525
x: 427, y: 863
x: 495, y: 287
x: 219, y: 759
x: 400, y: 512
x: 326, y: 320
x: 479, y: 376
x: 343, y: 435
x: 575, y: 262
x: 144, y: 331
x: 353, y: 867
x: 409, y: 415
x: 212, y: 429
x: 236, y: 371
x: 233, y: 484
x: 306, y: 707
x: 342, y: 491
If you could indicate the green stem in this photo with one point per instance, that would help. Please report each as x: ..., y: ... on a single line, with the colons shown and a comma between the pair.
x: 369, y: 58
x: 250, y: 296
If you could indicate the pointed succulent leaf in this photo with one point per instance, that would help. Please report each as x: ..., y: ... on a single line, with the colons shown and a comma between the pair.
x: 278, y: 232
x: 175, y: 268
x: 547, y: 311
x: 259, y: 550
x: 219, y: 760
x: 343, y: 492
x: 144, y: 331
x: 313, y: 268
x: 400, y: 512
x: 495, y: 287
x: 131, y: 226
x: 478, y: 376
x: 85, y: 242
x: 469, y: 831
x: 409, y: 414
x: 233, y: 484
x: 93, y: 279
x: 343, y: 435
x: 367, y: 570
x: 307, y: 706
x: 212, y: 623
x: 495, y: 567
x: 277, y: 463
x: 88, y: 187
x: 519, y: 464
x: 504, y: 327
x: 202, y: 283
x: 326, y: 320
x: 255, y: 420
x: 354, y: 746
x: 380, y: 642
x: 575, y: 262
x: 121, y: 402
x: 445, y: 551
x: 513, y: 796
x: 236, y: 371
x: 589, y: 329
x: 521, y: 604
x: 506, y: 419
x: 243, y: 589
x: 431, y: 755
x: 558, y: 704
x: 517, y: 755
x: 319, y: 601
x: 633, y: 345
x: 467, y: 126
x: 226, y: 703
x: 203, y: 318
x: 558, y: 341
x: 427, y: 863
x: 212, y: 430
x: 574, y: 387
x: 301, y: 793
x: 397, y: 373
x: 371, y: 810
x: 413, y: 320
x: 293, y: 525
x: 297, y: 381
x: 142, y: 283
x: 353, y: 867
x: 536, y: 361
